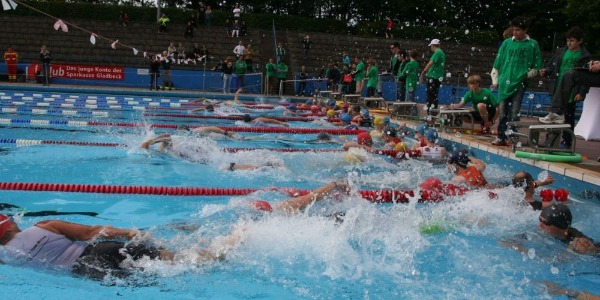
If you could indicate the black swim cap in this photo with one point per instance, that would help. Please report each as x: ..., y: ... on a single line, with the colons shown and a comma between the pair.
x: 210, y: 107
x: 323, y: 136
x: 182, y: 127
x: 459, y: 158
x: 558, y: 215
x: 523, y: 180
x: 247, y: 118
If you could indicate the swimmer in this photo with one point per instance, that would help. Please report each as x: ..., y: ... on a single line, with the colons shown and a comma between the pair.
x: 363, y: 119
x: 420, y: 136
x: 555, y: 289
x: 556, y: 221
x: 295, y: 205
x: 291, y: 110
x: 207, y: 108
x: 431, y: 150
x: 468, y: 170
x: 378, y: 131
x: 262, y: 121
x: 525, y: 181
x: 363, y: 140
x: 390, y: 138
x: 90, y: 251
x: 166, y: 139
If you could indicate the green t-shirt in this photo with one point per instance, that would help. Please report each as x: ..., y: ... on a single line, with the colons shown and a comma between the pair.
x: 282, y: 70
x: 484, y: 96
x: 359, y: 71
x: 513, y: 61
x: 373, y: 76
x: 270, y: 68
x: 411, y: 74
x: 436, y: 70
x: 240, y: 67
x: 569, y: 61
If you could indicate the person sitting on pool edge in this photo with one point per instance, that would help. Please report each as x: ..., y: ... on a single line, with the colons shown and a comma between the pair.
x: 470, y: 175
x: 262, y: 121
x: 556, y: 221
x: 483, y: 101
x: 524, y: 180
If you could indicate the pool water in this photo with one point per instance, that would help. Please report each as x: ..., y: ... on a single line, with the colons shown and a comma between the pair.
x: 451, y: 249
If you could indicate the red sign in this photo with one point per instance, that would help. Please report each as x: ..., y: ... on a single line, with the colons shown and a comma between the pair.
x: 80, y: 72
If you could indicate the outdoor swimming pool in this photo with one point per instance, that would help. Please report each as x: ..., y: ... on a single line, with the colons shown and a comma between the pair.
x: 449, y: 249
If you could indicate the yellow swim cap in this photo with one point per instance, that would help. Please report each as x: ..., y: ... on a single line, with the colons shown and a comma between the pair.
x: 378, y: 120
x: 402, y: 146
x: 331, y: 113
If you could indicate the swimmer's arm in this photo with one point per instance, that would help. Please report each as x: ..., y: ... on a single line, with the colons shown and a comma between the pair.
x: 478, y: 163
x: 459, y: 180
x: 197, y: 109
x: 584, y: 245
x: 273, y: 121
x: 163, y: 138
x: 79, y: 232
x: 296, y: 204
x: 549, y: 180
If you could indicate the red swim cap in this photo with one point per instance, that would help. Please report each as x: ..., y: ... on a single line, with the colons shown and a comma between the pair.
x: 262, y: 205
x: 314, y: 109
x: 561, y: 195
x: 364, y: 138
x: 3, y: 224
x: 546, y: 195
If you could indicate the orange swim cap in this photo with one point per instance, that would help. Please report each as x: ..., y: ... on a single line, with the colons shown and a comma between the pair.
x: 262, y: 205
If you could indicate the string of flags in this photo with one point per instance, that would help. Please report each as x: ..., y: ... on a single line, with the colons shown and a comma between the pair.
x: 61, y: 25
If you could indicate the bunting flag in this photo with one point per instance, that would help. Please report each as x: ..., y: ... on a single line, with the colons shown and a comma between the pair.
x: 145, y: 54
x: 93, y: 39
x: 60, y: 24
x: 114, y: 44
x: 9, y: 4
x: 135, y: 51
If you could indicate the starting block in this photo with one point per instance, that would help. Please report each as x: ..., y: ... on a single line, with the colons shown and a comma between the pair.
x: 453, y: 118
x: 336, y: 96
x: 375, y: 102
x: 533, y: 134
x: 404, y: 109
x: 326, y: 94
x: 351, y: 98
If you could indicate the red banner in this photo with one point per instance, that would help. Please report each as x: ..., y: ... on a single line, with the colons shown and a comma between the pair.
x: 80, y: 72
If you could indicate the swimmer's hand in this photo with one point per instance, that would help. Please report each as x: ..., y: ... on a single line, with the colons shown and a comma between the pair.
x: 584, y: 246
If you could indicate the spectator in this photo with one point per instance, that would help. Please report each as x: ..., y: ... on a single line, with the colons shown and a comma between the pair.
x: 181, y: 54
x: 197, y: 53
x: 163, y: 23
x: 172, y: 51
x: 483, y: 102
x: 333, y: 77
x: 518, y: 59
x: 235, y: 32
x: 189, y: 30
x: 154, y: 72
x: 395, y: 68
x: 410, y: 72
x: 11, y: 58
x: 201, y: 14
x: 303, y: 76
x: 306, y: 44
x: 434, y: 72
x: 248, y: 53
x: 45, y: 59
x: 280, y: 51
x: 239, y: 49
x: 237, y: 11
x: 346, y: 61
x: 194, y: 20
x: 388, y: 28
x: 240, y: 69
x: 243, y: 28
x: 204, y: 53
x: 359, y: 74
x: 228, y: 28
x: 208, y: 16
x: 167, y: 80
x: 373, y: 77
x: 227, y: 73
x: 270, y: 70
x: 123, y: 18
x: 282, y: 70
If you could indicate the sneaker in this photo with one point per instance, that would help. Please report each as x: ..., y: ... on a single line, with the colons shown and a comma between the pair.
x: 499, y: 142
x: 553, y: 118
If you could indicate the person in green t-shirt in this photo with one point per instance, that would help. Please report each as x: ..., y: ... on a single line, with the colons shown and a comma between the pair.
x: 282, y: 70
x: 518, y: 59
x: 270, y: 70
x: 373, y: 77
x: 359, y: 75
x: 484, y: 103
x: 434, y: 72
x: 574, y: 55
x: 240, y: 68
x: 410, y: 73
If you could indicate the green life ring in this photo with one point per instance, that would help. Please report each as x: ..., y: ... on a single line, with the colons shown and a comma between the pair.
x: 554, y: 157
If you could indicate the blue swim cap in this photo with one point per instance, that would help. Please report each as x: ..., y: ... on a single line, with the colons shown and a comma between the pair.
x: 386, y: 121
x: 330, y: 102
x: 308, y: 102
x: 431, y: 134
x: 292, y: 107
x: 421, y: 128
x: 364, y: 112
x: 346, y: 118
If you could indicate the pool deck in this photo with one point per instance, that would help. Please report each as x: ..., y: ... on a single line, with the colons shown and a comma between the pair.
x: 588, y: 170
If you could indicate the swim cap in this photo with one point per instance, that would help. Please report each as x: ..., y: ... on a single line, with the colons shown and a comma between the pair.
x: 364, y: 112
x: 308, y: 102
x: 402, y: 146
x: 314, y: 109
x: 431, y: 183
x: 356, y: 108
x: 421, y: 128
x: 364, y: 138
x: 323, y: 136
x: 388, y: 130
x: 247, y: 118
x: 345, y: 105
x: 431, y: 134
x: 330, y: 102
x: 331, y: 113
x: 346, y: 118
x: 459, y: 158
x: 3, y: 225
x: 262, y: 205
x: 558, y: 215
x: 386, y: 120
x: 378, y: 120
x: 292, y: 107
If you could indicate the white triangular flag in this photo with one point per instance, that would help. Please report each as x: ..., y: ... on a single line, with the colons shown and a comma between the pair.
x: 8, y: 4
x: 93, y: 39
x: 114, y: 44
x: 135, y: 51
x: 58, y: 23
x: 64, y: 27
